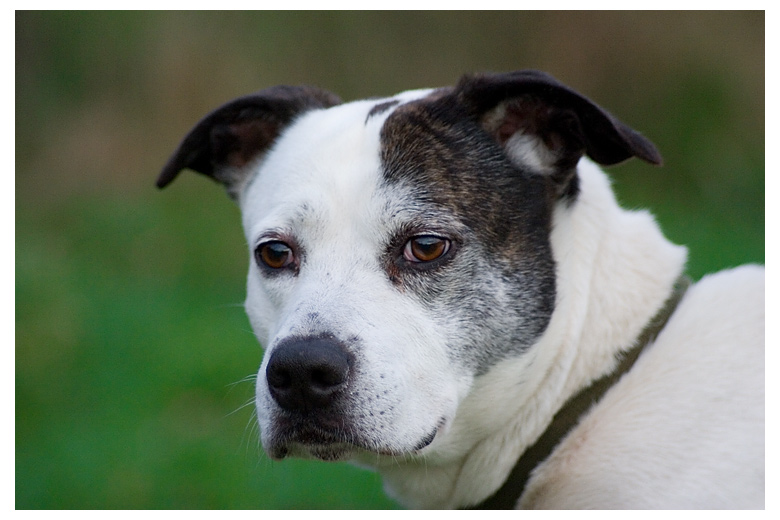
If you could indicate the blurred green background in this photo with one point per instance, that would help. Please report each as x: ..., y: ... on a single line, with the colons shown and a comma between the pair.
x: 134, y: 359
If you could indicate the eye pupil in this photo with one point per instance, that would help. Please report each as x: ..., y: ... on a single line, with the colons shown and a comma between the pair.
x: 425, y: 248
x: 275, y: 255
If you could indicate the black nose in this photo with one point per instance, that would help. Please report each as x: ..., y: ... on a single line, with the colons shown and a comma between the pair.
x: 307, y: 373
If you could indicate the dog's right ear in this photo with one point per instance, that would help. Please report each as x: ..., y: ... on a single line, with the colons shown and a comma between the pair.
x: 233, y: 135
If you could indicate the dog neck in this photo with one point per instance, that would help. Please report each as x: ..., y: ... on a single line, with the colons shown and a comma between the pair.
x: 568, y: 416
x: 615, y: 270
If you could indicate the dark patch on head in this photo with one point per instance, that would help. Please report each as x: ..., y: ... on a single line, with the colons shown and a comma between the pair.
x: 381, y: 108
x: 455, y: 168
x: 453, y: 164
x: 496, y: 154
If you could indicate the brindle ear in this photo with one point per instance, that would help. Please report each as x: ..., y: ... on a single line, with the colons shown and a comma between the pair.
x: 228, y: 138
x: 545, y: 125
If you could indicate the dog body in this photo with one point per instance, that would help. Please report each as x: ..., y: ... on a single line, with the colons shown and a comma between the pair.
x: 434, y: 275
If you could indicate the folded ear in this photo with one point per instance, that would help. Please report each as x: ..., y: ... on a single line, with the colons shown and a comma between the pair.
x: 228, y: 138
x: 548, y: 127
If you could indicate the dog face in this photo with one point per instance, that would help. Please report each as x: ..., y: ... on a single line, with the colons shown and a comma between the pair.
x: 399, y: 247
x: 398, y: 289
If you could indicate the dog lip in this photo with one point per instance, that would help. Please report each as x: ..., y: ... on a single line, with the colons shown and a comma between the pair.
x: 329, y: 447
x: 296, y: 438
x: 428, y: 439
x: 278, y: 452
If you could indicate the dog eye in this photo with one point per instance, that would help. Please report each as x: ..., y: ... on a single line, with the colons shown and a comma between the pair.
x: 426, y: 248
x: 275, y: 254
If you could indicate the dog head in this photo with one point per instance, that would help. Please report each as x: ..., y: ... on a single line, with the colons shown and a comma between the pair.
x: 399, y: 248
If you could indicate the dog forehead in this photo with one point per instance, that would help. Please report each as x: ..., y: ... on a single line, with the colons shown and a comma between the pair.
x: 327, y: 158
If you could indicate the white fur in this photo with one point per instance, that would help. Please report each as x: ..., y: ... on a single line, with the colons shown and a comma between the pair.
x: 676, y: 432
x: 335, y: 178
x: 529, y: 151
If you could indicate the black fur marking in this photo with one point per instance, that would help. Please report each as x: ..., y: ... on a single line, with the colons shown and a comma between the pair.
x: 381, y: 108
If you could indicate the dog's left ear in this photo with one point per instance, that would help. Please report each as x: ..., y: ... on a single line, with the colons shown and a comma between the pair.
x: 548, y: 127
x: 235, y: 134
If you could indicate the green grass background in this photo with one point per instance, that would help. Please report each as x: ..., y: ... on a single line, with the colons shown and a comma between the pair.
x: 134, y: 359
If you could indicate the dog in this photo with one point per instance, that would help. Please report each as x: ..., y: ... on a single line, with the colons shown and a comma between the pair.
x: 448, y: 292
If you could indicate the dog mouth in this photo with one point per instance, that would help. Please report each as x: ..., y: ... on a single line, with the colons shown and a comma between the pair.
x: 336, y: 445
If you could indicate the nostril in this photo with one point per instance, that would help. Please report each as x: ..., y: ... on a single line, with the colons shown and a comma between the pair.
x: 309, y: 372
x: 279, y: 378
x: 326, y: 377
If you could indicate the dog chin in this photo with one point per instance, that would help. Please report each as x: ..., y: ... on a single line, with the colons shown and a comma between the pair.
x: 331, y: 450
x: 325, y: 452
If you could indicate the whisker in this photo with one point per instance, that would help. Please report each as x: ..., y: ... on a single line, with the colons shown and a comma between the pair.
x: 249, y: 402
x: 247, y: 379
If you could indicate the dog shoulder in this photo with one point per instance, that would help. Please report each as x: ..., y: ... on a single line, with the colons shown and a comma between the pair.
x: 659, y: 437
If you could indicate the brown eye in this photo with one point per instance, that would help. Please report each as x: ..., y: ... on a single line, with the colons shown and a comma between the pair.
x: 275, y: 254
x: 426, y: 248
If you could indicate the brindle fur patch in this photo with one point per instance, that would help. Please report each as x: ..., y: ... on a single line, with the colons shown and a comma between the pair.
x: 503, y: 271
